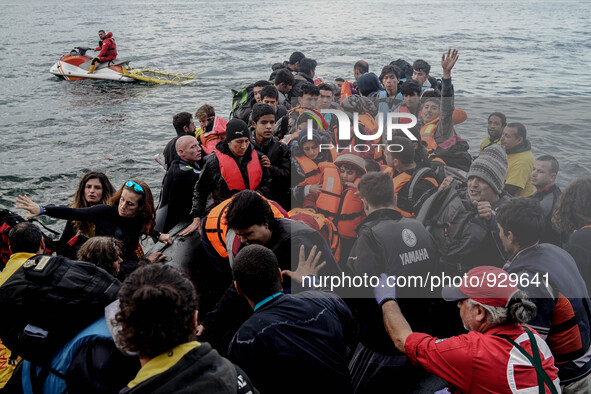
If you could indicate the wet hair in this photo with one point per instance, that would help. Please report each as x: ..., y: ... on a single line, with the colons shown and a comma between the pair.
x: 351, y: 167
x: 284, y: 76
x: 325, y: 86
x: 554, y: 167
x: 573, y: 209
x: 405, y: 67
x: 521, y: 131
x: 101, y: 31
x: 309, y: 88
x: 524, y: 217
x: 430, y: 96
x: 372, y: 165
x: 25, y: 237
x: 80, y: 201
x: 145, y: 205
x: 410, y: 87
x: 261, y: 84
x: 407, y: 154
x: 377, y: 189
x: 519, y: 310
x: 248, y: 208
x: 296, y: 57
x: 259, y: 110
x: 421, y: 65
x: 501, y: 116
x: 205, y: 110
x: 157, y: 308
x: 307, y: 65
x: 391, y: 69
x: 102, y: 252
x: 256, y: 271
x: 270, y: 91
x: 180, y: 120
x: 362, y: 66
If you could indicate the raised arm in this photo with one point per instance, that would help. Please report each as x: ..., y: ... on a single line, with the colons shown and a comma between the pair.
x: 446, y: 110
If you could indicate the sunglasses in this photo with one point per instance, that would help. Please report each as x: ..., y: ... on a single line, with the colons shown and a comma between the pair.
x: 136, y: 187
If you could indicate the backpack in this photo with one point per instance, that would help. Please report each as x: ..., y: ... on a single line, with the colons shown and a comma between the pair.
x: 53, y: 298
x: 8, y: 220
x: 453, y: 221
x: 242, y: 102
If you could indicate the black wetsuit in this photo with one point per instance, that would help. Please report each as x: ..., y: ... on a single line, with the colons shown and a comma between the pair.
x: 107, y: 222
x: 177, y: 192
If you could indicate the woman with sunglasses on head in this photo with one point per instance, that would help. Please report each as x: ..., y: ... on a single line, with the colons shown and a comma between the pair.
x: 130, y: 215
x: 94, y: 188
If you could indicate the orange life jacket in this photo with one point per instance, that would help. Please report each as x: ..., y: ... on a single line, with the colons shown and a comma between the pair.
x: 329, y: 199
x: 232, y: 175
x: 312, y: 171
x: 346, y: 90
x: 216, y: 226
x: 428, y: 129
x: 428, y: 134
x: 351, y: 213
x: 402, y: 179
x: 346, y: 211
x: 326, y: 228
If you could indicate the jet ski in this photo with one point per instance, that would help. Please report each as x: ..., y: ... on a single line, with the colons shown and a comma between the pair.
x: 75, y: 65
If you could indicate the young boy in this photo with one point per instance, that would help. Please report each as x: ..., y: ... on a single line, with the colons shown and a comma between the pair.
x: 212, y: 128
x: 276, y: 155
x: 337, y: 198
x: 305, y: 160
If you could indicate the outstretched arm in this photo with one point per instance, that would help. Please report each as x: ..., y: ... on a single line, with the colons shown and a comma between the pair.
x: 448, y: 62
x: 396, y: 325
x: 446, y: 110
x: 24, y: 202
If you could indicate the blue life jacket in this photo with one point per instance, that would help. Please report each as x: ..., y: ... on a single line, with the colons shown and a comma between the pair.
x: 55, y: 380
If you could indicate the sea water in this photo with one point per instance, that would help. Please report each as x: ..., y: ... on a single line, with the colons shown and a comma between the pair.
x: 527, y: 59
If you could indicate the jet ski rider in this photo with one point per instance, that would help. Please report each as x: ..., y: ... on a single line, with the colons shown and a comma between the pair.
x: 107, y: 48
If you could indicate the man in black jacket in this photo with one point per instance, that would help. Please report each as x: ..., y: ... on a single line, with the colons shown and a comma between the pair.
x: 184, y: 125
x: 251, y: 219
x: 232, y: 167
x: 178, y: 184
x: 303, y: 334
x: 543, y: 177
x: 276, y: 155
x: 398, y: 246
x: 305, y: 74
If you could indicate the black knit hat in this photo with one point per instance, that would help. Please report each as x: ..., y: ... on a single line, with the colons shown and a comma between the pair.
x: 236, y: 128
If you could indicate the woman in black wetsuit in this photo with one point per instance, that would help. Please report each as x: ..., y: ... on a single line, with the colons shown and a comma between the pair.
x: 130, y: 215
x: 94, y: 188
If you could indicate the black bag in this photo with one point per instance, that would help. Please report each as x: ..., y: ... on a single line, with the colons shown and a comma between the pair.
x: 59, y: 297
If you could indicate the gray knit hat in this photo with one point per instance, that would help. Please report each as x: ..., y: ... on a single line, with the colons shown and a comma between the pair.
x: 491, y: 167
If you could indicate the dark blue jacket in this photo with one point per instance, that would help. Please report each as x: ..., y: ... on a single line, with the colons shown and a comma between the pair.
x: 300, y: 336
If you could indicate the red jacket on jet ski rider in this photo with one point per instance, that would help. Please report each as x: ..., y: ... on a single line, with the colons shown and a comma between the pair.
x: 108, y: 50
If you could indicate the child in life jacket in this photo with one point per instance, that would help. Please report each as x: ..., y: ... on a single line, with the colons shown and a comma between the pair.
x: 337, y: 198
x: 212, y: 128
x: 307, y: 159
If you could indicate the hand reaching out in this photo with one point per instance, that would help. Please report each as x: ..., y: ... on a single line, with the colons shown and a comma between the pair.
x: 24, y: 202
x: 448, y: 61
